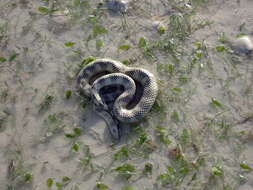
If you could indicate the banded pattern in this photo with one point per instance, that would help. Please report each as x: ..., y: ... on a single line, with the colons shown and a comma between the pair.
x: 124, y: 90
x: 119, y: 93
x: 94, y: 70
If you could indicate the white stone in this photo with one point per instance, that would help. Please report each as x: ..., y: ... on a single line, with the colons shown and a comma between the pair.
x: 243, y: 45
x: 118, y: 5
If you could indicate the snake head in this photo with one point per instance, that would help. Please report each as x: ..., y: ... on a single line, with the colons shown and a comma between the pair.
x: 115, y: 130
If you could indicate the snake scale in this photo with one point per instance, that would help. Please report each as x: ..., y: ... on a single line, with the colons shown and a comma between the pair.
x: 120, y: 94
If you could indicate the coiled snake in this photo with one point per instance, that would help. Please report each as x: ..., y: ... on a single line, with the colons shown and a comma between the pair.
x: 120, y: 94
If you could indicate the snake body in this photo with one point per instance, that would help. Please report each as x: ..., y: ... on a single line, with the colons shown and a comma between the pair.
x: 120, y: 93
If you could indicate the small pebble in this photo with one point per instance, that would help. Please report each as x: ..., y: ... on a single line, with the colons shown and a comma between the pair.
x: 243, y: 45
x: 156, y: 24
